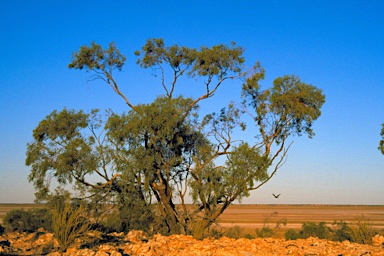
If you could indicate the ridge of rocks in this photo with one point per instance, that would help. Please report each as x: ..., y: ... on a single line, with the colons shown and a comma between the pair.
x: 138, y: 243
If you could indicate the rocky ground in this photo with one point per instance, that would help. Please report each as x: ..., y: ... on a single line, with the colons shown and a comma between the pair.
x: 137, y: 243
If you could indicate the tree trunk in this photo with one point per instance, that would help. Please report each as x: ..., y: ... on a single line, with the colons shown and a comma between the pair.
x: 209, y: 218
x: 168, y: 211
x: 200, y: 227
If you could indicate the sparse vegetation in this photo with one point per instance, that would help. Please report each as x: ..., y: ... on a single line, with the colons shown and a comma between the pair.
x: 249, y: 236
x: 315, y: 230
x: 215, y: 232
x: 28, y: 220
x: 69, y: 223
x: 266, y: 230
x: 358, y: 231
x: 292, y: 234
x: 310, y: 229
x: 234, y: 232
x: 341, y: 231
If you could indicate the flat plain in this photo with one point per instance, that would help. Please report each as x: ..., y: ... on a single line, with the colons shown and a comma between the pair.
x: 256, y: 216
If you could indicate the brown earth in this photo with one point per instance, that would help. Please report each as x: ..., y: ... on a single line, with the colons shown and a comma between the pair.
x: 250, y: 217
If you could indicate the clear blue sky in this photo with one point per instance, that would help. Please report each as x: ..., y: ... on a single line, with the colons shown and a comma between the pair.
x: 335, y: 45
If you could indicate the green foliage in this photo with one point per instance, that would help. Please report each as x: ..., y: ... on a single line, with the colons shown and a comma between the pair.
x: 294, y: 105
x: 95, y: 58
x: 131, y: 213
x: 69, y: 222
x: 381, y: 144
x: 310, y: 229
x: 315, y: 230
x: 59, y: 145
x: 163, y: 150
x: 265, y: 232
x: 341, y: 231
x: 360, y: 230
x: 218, y: 60
x: 292, y: 234
x: 28, y: 220
x: 249, y: 236
x: 234, y: 232
x: 110, y: 223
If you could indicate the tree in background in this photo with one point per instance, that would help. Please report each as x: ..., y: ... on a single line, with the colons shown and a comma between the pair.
x: 381, y: 145
x: 164, y: 151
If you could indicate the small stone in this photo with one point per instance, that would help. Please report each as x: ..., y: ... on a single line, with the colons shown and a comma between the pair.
x: 136, y: 236
x: 106, y: 248
x: 115, y: 253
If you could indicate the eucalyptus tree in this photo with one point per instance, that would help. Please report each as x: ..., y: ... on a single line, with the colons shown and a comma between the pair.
x: 164, y: 152
x: 381, y: 145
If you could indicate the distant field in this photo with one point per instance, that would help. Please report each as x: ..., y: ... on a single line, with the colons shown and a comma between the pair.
x: 254, y: 216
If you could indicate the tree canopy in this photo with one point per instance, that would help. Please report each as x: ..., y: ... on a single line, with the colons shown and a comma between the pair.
x: 163, y: 152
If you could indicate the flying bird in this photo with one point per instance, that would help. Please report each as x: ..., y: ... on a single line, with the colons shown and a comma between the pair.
x: 276, y: 196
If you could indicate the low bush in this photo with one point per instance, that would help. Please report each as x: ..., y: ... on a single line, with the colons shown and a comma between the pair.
x: 249, y: 236
x: 1, y: 230
x: 69, y: 223
x: 315, y: 230
x: 359, y: 231
x: 292, y: 234
x: 341, y: 231
x: 264, y: 232
x: 309, y: 229
x: 234, y: 232
x: 28, y: 220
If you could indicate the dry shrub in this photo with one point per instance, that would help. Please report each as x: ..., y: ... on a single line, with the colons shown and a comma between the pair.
x: 69, y: 222
x: 361, y: 230
x: 234, y: 232
x: 28, y: 220
x: 266, y: 230
x: 310, y: 229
